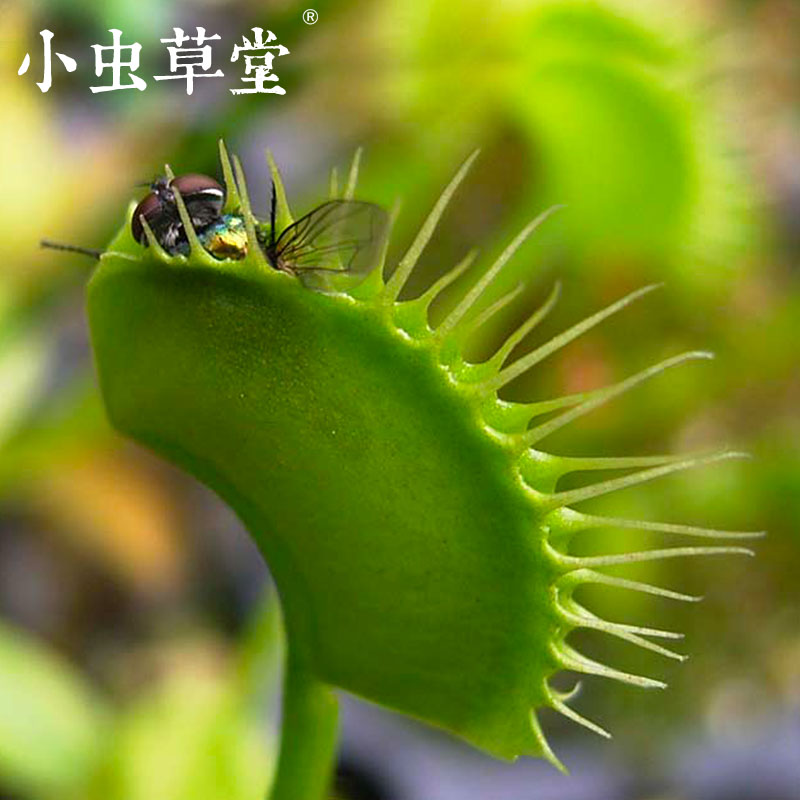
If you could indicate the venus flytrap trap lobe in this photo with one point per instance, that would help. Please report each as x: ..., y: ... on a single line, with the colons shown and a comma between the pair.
x: 418, y: 540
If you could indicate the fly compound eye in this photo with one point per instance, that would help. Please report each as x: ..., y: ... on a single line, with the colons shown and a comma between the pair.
x: 149, y: 208
x: 204, y: 198
x: 200, y: 190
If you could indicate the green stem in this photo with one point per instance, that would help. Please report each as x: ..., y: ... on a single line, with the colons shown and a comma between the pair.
x: 309, y: 733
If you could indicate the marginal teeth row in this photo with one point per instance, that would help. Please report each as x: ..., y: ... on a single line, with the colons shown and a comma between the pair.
x: 530, y: 323
x: 601, y: 396
x: 590, y: 576
x: 232, y: 202
x: 572, y: 496
x: 561, y: 521
x: 569, y: 658
x: 474, y: 294
x: 284, y: 215
x: 570, y: 713
x: 333, y: 184
x: 407, y: 263
x: 449, y: 277
x: 656, y: 555
x: 524, y: 363
x: 589, y: 521
x: 352, y: 178
x: 249, y: 220
x: 495, y: 307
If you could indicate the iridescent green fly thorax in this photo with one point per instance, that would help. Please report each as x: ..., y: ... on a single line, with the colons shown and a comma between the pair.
x: 418, y: 533
x: 224, y: 239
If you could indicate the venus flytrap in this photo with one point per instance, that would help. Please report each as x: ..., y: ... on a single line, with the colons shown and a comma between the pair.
x: 416, y: 533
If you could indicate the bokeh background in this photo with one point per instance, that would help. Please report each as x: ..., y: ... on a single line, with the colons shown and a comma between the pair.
x: 139, y: 638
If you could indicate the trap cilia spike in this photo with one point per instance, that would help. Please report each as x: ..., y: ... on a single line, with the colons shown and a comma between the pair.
x: 416, y: 532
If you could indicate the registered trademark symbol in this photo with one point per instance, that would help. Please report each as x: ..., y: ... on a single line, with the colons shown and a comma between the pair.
x: 310, y: 16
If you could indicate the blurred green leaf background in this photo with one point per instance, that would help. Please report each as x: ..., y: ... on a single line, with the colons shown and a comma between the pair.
x: 137, y: 656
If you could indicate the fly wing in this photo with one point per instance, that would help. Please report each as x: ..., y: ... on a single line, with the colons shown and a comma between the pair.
x: 340, y: 236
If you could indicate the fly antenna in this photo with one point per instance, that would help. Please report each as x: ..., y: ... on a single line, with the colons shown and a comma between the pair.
x: 71, y: 248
